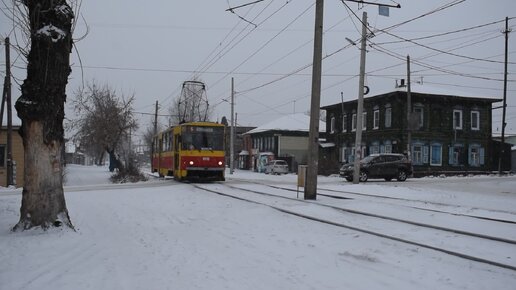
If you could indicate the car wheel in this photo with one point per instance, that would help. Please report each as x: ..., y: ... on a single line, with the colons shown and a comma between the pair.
x: 402, y: 175
x: 350, y: 179
x: 388, y: 178
x: 363, y: 176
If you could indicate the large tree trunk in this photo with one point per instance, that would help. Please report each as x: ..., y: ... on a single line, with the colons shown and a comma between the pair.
x: 41, y: 108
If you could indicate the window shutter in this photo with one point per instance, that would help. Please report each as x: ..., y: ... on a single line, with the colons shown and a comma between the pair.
x: 482, y: 153
x: 425, y: 154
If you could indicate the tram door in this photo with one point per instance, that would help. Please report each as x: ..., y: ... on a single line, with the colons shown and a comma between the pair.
x: 177, y: 147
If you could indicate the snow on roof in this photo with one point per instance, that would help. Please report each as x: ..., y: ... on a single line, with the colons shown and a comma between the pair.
x: 292, y: 122
x: 429, y: 90
x: 434, y: 90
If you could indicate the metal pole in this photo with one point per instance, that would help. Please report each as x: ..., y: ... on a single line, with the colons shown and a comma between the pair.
x: 313, y: 135
x: 409, y: 110
x: 502, y: 151
x: 360, y: 106
x: 232, y: 129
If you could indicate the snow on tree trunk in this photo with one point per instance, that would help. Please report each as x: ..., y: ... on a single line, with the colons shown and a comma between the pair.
x: 41, y: 109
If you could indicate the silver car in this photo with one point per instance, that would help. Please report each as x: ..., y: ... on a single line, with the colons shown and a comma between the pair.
x: 276, y: 167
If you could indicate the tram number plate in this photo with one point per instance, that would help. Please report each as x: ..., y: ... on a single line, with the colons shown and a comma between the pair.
x: 206, y: 158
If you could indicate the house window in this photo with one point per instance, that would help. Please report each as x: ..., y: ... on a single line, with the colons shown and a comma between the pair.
x: 374, y: 149
x: 388, y: 148
x: 436, y: 151
x: 475, y: 120
x: 364, y: 121
x: 419, y: 112
x: 457, y: 119
x: 454, y: 155
x: 388, y: 117
x: 475, y: 155
x: 332, y: 125
x: 417, y: 154
x: 344, y: 123
x: 376, y: 119
x: 354, y: 123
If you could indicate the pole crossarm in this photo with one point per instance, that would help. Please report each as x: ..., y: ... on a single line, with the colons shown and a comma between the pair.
x: 373, y: 3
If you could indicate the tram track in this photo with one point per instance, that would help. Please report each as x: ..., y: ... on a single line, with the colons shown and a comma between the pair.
x: 406, y: 200
x: 341, y: 220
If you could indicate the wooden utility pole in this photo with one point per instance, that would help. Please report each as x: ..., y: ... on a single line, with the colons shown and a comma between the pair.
x: 409, y: 110
x: 502, y: 151
x: 360, y: 105
x: 7, y: 100
x: 156, y: 119
x: 313, y: 135
x: 232, y: 129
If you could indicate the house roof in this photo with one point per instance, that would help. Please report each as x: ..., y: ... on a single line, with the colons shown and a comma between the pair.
x: 293, y: 122
x: 425, y: 89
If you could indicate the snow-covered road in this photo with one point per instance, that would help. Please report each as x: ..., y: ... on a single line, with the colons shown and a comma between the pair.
x: 170, y: 235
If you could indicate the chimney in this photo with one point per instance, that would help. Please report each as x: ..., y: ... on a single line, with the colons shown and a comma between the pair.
x: 402, y: 82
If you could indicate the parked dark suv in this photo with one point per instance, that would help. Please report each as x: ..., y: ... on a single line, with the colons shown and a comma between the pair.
x: 385, y: 165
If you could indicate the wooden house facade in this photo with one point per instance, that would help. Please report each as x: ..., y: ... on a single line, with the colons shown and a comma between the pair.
x: 17, y: 156
x: 449, y: 132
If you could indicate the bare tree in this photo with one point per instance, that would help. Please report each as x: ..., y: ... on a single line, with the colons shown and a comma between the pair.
x: 192, y: 105
x: 104, y: 121
x: 41, y: 109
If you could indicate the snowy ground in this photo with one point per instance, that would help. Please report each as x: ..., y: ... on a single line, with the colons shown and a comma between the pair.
x: 166, y: 235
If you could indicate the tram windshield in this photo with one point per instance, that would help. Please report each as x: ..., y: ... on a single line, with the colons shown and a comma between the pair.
x: 202, y: 138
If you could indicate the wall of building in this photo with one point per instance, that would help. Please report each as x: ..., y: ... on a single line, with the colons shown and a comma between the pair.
x: 17, y: 153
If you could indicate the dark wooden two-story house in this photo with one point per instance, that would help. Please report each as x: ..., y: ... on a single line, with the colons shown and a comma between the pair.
x: 450, y: 132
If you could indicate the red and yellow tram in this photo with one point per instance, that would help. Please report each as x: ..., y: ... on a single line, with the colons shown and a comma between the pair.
x: 190, y: 151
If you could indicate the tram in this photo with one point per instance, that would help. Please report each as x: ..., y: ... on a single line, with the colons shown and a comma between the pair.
x: 190, y: 151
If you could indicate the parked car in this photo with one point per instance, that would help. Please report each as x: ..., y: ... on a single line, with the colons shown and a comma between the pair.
x: 276, y: 167
x: 385, y: 165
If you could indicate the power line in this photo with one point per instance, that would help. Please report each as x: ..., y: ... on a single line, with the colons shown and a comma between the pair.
x: 442, y: 51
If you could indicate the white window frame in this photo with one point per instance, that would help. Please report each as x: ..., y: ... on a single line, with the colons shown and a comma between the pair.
x: 376, y: 119
x: 417, y: 154
x: 475, y: 115
x: 344, y: 123
x: 332, y: 125
x: 354, y: 123
x: 388, y: 117
x: 455, y: 125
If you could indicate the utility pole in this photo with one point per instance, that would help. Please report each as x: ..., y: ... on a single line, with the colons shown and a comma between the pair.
x: 313, y: 135
x: 156, y: 119
x: 409, y: 110
x: 232, y: 129
x: 506, y: 32
x: 7, y: 87
x: 360, y: 106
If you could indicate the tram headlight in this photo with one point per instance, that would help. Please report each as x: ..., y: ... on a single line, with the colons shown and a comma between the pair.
x: 220, y: 163
x: 191, y: 162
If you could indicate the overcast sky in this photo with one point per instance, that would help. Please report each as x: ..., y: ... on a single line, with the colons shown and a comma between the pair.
x: 149, y: 48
